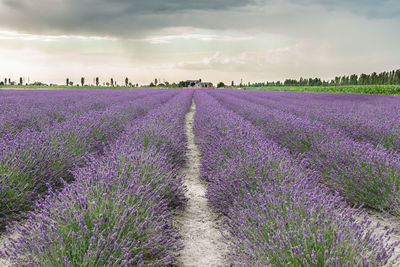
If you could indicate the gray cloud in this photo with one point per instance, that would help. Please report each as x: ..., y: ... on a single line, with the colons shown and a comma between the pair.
x: 368, y: 8
x: 135, y: 18
x: 124, y: 6
x: 104, y: 17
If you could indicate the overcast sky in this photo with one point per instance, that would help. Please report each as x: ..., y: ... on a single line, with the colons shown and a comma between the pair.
x: 216, y: 40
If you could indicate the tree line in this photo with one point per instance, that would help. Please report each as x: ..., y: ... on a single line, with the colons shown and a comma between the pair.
x: 382, y: 78
x: 386, y: 77
x: 10, y: 82
x: 112, y: 82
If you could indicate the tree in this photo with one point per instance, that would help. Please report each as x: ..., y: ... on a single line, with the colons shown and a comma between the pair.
x: 5, y: 81
x: 112, y: 82
x: 67, y: 81
x: 126, y: 81
x: 363, y: 80
x: 83, y: 81
x: 373, y: 78
x: 71, y: 83
x: 21, y: 81
x: 155, y: 81
x: 353, y: 79
x: 97, y: 81
x: 233, y: 84
x: 220, y: 84
x: 397, y: 77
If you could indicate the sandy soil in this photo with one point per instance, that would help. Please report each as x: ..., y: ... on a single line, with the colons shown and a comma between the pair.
x: 198, y: 224
x: 386, y: 222
x: 4, y: 240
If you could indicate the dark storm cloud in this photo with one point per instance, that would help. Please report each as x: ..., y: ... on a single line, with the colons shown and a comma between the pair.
x: 131, y: 6
x: 104, y: 17
x: 367, y: 8
x: 138, y: 18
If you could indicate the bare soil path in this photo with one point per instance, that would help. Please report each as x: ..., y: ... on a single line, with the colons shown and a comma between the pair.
x: 386, y: 222
x: 4, y: 241
x: 198, y: 224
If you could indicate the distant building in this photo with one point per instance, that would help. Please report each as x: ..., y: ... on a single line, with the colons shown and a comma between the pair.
x: 198, y: 84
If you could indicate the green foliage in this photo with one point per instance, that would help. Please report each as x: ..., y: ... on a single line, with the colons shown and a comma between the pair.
x: 356, y: 89
x: 220, y: 85
x: 383, y: 78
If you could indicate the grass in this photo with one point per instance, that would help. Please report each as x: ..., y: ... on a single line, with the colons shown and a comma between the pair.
x: 356, y: 89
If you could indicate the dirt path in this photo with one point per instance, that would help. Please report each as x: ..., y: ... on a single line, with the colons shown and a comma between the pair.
x: 198, y: 224
x: 387, y: 222
x: 3, y: 241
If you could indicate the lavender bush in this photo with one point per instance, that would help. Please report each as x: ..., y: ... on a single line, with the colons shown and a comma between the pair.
x: 363, y: 117
x: 34, y: 110
x: 97, y: 177
x: 33, y: 161
x: 117, y: 211
x: 362, y: 172
x: 277, y: 213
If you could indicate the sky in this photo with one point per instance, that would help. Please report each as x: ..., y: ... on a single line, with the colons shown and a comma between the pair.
x: 215, y: 40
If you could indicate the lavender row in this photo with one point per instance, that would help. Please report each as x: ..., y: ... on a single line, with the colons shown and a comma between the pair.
x: 36, y: 110
x: 277, y: 213
x: 117, y: 212
x: 373, y: 119
x: 33, y: 162
x: 363, y: 173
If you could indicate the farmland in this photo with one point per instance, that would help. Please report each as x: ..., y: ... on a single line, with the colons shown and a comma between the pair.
x: 221, y: 177
x: 354, y: 89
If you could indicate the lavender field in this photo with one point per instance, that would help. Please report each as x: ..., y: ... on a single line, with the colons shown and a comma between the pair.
x: 198, y: 178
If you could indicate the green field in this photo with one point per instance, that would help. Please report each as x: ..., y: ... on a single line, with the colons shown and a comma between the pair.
x: 357, y: 89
